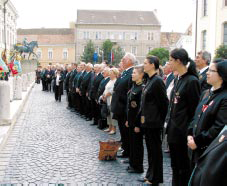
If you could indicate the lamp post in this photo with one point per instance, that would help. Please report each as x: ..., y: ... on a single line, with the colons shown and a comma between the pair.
x: 4, y: 11
x: 196, y: 25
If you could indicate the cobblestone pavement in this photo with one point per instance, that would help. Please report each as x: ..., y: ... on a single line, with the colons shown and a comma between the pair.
x: 51, y: 145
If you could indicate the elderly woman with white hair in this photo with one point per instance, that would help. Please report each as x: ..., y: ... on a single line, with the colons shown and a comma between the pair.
x: 107, y: 97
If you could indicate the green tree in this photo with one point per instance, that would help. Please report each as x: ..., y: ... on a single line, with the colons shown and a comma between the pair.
x: 106, y: 49
x: 88, y: 52
x: 161, y: 53
x: 221, y: 52
x: 118, y: 55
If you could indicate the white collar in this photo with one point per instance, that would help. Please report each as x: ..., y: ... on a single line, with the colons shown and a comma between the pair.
x: 203, y: 69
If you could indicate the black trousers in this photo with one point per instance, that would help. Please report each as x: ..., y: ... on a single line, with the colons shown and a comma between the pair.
x: 155, y: 159
x: 88, y: 108
x: 124, y: 132
x: 70, y: 99
x: 95, y: 111
x: 180, y: 164
x: 57, y: 93
x: 44, y: 84
x: 136, y: 149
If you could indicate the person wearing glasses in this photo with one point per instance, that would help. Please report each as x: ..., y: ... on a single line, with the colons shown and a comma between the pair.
x: 211, y: 113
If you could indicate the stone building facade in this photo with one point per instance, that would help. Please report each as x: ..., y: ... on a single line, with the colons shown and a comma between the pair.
x: 137, y: 32
x: 11, y: 22
x: 56, y: 46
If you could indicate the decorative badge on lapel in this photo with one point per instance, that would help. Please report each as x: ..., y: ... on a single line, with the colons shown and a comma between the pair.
x: 221, y: 139
x: 142, y: 119
x: 200, y: 77
x: 133, y: 104
x: 176, y: 98
x: 204, y: 108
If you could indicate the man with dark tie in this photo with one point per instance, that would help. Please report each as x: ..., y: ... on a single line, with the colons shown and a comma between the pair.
x: 69, y: 70
x: 95, y: 81
x: 71, y: 89
x: 119, y: 100
x: 102, y: 123
x: 202, y: 61
x: 83, y: 91
x: 75, y: 84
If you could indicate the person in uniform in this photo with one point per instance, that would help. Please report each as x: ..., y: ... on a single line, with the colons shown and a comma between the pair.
x: 210, y: 116
x: 153, y: 109
x: 135, y: 132
x: 183, y: 102
x: 210, y: 169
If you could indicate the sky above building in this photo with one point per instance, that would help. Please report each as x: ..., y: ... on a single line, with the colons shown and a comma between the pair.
x: 174, y: 15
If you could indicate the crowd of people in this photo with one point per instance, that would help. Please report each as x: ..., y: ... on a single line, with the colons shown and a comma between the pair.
x: 184, y: 100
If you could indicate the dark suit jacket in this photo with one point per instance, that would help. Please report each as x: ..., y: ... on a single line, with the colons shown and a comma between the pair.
x: 61, y: 79
x: 119, y: 97
x: 154, y: 103
x: 85, y: 83
x: 71, y: 78
x: 95, y: 81
x: 169, y: 79
x: 80, y: 78
x: 211, y: 167
x: 183, y: 102
x: 203, y: 81
x: 101, y: 88
x: 210, y: 118
x: 76, y: 79
x: 67, y: 81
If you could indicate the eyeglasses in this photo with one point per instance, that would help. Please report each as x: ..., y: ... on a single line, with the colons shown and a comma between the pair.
x: 210, y: 70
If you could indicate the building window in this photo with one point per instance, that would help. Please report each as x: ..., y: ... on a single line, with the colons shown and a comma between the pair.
x: 86, y: 35
x: 225, y: 2
x: 204, y: 39
x: 134, y: 36
x: 120, y: 36
x: 205, y: 5
x: 134, y: 50
x: 50, y: 54
x: 98, y: 35
x: 150, y: 36
x: 123, y: 35
x: 225, y: 34
x: 112, y: 35
x: 65, y: 54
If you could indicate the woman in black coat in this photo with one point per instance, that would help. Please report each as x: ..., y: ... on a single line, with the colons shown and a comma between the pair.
x: 183, y: 102
x: 211, y: 113
x: 58, y: 85
x: 153, y: 109
x: 135, y: 133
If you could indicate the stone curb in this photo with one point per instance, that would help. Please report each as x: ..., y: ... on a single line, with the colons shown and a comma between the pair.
x: 11, y: 122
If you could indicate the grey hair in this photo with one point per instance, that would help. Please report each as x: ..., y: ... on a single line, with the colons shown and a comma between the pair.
x: 131, y: 56
x: 206, y: 56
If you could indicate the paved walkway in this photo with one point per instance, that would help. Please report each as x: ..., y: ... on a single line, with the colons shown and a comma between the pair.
x: 51, y: 145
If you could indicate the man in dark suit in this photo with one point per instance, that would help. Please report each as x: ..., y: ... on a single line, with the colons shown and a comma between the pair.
x: 75, y: 84
x: 80, y: 78
x: 83, y: 91
x: 95, y: 81
x: 168, y: 74
x: 202, y: 63
x: 71, y: 88
x: 69, y: 70
x: 119, y: 100
x: 102, y: 123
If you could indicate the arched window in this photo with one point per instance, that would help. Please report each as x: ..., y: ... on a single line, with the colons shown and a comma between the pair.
x: 204, y: 39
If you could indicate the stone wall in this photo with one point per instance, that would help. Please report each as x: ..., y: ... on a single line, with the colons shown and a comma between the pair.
x: 28, y: 66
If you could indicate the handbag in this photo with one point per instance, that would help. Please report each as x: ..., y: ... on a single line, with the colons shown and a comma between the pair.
x: 104, y: 110
x: 108, y: 150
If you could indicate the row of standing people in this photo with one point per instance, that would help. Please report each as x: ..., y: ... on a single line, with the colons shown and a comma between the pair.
x: 189, y: 107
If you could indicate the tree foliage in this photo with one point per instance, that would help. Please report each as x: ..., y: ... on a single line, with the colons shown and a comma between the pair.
x: 106, y: 49
x: 88, y: 52
x: 221, y: 52
x: 118, y: 55
x: 161, y: 53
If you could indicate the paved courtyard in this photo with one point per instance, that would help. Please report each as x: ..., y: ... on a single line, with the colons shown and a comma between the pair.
x: 51, y: 145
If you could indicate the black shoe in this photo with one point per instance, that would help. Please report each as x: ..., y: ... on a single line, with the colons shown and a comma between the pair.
x: 132, y: 170
x: 142, y: 179
x: 94, y: 124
